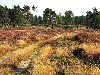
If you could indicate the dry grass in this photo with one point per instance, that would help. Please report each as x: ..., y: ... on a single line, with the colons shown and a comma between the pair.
x: 19, y: 55
x: 43, y: 69
x: 45, y: 52
x: 61, y: 52
x: 95, y: 71
x: 4, y: 48
x: 6, y: 71
x: 91, y: 48
x: 41, y: 64
x: 77, y: 69
x: 20, y: 42
x: 81, y: 69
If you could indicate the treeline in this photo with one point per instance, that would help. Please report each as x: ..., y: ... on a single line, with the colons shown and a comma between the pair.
x: 18, y: 16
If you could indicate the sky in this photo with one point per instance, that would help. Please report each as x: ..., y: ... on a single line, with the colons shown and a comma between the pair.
x: 79, y: 7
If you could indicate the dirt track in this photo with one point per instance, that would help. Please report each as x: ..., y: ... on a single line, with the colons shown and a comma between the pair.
x: 23, y: 54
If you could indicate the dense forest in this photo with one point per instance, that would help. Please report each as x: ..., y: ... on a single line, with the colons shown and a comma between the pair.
x: 18, y: 16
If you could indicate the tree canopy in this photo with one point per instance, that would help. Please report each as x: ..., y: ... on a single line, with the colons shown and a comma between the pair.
x: 17, y: 16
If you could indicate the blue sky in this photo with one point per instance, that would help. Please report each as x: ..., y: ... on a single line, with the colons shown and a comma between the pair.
x: 79, y: 7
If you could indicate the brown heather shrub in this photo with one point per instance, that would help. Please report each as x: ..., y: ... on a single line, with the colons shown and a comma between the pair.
x: 71, y: 35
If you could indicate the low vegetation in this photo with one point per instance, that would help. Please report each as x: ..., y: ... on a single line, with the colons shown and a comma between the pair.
x: 50, y: 52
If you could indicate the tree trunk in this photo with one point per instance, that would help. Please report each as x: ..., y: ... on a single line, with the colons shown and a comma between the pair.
x: 77, y: 26
x: 52, y: 26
